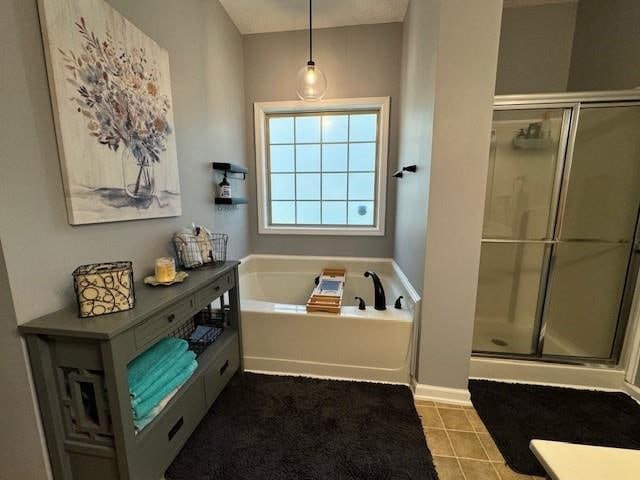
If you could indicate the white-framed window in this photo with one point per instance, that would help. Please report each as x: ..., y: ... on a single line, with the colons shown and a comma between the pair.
x: 322, y: 167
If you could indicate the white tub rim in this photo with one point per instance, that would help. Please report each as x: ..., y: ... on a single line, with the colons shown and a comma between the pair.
x: 394, y: 267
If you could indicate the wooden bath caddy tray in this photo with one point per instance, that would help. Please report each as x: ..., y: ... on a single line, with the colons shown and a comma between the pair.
x: 327, y: 296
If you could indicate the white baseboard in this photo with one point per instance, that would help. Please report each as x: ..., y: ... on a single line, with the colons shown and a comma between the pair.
x: 322, y: 377
x: 326, y: 370
x: 632, y: 391
x: 456, y: 396
x: 539, y: 373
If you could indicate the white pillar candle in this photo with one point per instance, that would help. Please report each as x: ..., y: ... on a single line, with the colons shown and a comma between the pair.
x: 165, y: 269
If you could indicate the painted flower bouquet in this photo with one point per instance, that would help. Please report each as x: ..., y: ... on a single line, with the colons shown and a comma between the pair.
x: 118, y: 93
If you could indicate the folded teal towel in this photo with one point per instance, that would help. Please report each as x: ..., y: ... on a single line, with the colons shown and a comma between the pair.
x: 182, y: 362
x: 143, y: 409
x: 144, y: 421
x: 151, y: 364
x: 147, y: 419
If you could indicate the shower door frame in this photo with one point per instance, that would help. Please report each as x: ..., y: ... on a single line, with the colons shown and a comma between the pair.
x: 571, y: 103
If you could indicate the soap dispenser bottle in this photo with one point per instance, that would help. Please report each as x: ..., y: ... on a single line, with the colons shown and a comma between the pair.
x: 224, y: 189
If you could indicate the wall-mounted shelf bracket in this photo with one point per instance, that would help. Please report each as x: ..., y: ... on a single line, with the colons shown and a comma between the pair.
x: 231, y: 201
x: 230, y: 168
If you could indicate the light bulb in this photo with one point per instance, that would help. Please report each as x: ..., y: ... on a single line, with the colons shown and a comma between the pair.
x: 311, y: 83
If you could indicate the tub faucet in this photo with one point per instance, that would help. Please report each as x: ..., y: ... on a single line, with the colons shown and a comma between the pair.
x: 380, y: 299
x: 398, y: 303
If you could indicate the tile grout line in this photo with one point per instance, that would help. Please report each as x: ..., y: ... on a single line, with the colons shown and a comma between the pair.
x: 451, y: 443
x: 486, y: 452
x: 455, y: 430
x: 477, y: 435
x: 496, y: 470
x: 468, y: 458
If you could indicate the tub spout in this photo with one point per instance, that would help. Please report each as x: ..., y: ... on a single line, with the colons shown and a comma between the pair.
x: 380, y: 302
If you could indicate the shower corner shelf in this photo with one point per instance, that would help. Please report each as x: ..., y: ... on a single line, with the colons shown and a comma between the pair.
x: 532, y: 143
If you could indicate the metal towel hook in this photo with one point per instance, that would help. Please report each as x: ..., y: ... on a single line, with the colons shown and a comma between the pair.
x: 410, y: 168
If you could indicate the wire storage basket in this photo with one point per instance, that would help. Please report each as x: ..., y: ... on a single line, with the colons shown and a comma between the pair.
x: 200, y: 331
x: 198, y: 251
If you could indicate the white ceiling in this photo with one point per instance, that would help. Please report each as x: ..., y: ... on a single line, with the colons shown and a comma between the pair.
x: 257, y: 16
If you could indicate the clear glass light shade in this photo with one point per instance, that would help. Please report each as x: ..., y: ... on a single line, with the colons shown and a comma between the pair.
x: 311, y: 83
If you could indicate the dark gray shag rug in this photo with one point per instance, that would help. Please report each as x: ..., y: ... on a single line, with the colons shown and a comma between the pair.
x: 276, y: 428
x: 515, y: 414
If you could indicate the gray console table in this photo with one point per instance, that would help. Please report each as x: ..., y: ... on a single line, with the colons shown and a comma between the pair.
x: 80, y: 372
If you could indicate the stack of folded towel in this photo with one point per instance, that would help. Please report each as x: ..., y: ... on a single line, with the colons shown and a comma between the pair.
x: 156, y: 375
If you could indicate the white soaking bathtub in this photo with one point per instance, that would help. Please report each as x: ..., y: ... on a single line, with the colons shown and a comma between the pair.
x: 279, y: 336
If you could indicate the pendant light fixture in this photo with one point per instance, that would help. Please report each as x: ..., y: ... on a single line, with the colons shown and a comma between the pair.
x: 311, y: 83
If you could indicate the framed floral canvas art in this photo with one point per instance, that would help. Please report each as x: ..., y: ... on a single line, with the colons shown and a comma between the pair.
x: 111, y: 95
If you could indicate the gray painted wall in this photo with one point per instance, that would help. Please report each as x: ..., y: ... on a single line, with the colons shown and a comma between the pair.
x: 23, y: 458
x: 535, y: 48
x: 575, y: 46
x: 460, y: 153
x: 420, y: 35
x: 41, y: 249
x: 359, y: 61
x: 606, y: 51
x: 450, y: 39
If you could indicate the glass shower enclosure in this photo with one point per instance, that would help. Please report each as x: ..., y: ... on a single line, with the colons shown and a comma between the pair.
x: 558, y: 256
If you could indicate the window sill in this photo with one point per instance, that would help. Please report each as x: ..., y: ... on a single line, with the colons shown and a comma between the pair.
x: 334, y: 231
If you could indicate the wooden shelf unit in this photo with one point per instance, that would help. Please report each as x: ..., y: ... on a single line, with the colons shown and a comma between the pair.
x: 80, y: 373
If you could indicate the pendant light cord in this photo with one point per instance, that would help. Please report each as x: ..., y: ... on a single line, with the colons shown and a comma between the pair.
x: 310, y: 30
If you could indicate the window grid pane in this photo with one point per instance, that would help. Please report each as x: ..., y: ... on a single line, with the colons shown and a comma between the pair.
x: 350, y: 199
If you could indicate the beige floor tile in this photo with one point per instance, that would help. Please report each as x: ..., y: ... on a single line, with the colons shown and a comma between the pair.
x: 506, y: 473
x: 465, y: 451
x: 467, y: 445
x: 438, y: 442
x: 480, y: 429
x: 477, y: 470
x: 473, y: 417
x: 455, y: 419
x: 448, y: 468
x: 448, y: 405
x: 429, y: 416
x: 475, y: 421
x: 490, y: 446
x: 424, y: 402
